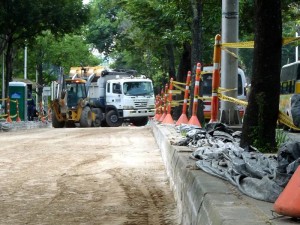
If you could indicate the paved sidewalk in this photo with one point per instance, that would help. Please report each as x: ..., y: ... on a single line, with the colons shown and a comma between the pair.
x: 205, y: 199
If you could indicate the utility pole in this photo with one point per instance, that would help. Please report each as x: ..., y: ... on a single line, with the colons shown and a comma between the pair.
x: 229, y: 64
x: 3, y: 79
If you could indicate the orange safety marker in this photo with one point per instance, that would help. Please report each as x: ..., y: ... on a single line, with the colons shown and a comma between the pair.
x: 160, y: 103
x: 288, y: 202
x: 157, y: 107
x: 168, y: 118
x: 41, y: 112
x: 8, y: 119
x: 183, y: 118
x: 18, y: 119
x: 194, y: 119
x: 164, y: 113
x: 216, y: 80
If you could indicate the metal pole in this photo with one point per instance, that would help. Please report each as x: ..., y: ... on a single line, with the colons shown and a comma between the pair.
x: 3, y: 79
x: 229, y: 64
x: 25, y: 63
x: 297, y: 53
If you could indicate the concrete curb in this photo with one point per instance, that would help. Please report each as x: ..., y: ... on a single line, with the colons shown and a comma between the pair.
x: 204, y: 199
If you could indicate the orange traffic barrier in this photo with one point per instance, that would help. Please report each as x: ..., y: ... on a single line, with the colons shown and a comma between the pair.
x: 157, y: 107
x: 216, y: 79
x: 8, y: 119
x: 183, y: 118
x: 194, y: 119
x: 41, y: 114
x: 18, y: 119
x: 164, y: 108
x: 288, y: 202
x: 168, y: 118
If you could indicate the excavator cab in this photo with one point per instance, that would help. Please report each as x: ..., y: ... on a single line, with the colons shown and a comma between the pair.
x: 76, y: 91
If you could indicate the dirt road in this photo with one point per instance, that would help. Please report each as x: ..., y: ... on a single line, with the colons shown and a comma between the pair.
x: 83, y: 176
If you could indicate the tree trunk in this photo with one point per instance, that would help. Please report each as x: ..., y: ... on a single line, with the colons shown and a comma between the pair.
x: 196, y: 55
x: 261, y: 115
x: 40, y: 82
x: 8, y: 65
x: 185, y: 63
x: 170, y: 51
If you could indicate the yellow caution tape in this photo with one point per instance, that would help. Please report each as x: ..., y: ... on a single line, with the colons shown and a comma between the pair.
x: 178, y: 87
x: 289, y: 40
x: 177, y: 82
x: 204, y: 98
x: 246, y: 44
x: 250, y: 44
x: 226, y: 90
x: 286, y: 120
x: 282, y: 118
x: 231, y: 53
x: 233, y: 100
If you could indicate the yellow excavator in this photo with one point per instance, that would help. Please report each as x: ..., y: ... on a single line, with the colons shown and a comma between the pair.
x: 70, y: 105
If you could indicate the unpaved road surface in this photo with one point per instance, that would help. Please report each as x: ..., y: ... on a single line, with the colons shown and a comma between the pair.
x: 84, y: 176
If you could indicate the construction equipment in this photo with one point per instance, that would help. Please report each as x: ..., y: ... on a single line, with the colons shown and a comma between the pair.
x: 70, y: 105
x: 92, y: 96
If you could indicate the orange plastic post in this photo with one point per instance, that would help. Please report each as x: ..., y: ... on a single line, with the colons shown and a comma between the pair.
x: 8, y: 119
x: 42, y: 112
x: 156, y: 106
x: 18, y: 119
x: 287, y: 203
x: 168, y: 118
x: 194, y: 119
x: 164, y: 113
x: 216, y: 80
x: 183, y: 118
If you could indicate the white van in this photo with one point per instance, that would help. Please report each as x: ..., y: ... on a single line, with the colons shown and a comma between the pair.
x: 207, y: 74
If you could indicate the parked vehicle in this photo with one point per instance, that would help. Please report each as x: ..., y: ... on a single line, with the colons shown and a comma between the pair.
x: 207, y: 74
x: 290, y: 91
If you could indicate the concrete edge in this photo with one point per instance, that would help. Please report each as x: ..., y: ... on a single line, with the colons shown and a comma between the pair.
x: 200, y: 197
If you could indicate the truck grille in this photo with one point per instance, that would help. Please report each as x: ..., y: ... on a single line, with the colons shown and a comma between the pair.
x: 140, y: 104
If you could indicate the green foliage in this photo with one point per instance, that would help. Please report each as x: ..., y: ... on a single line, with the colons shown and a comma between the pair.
x: 257, y: 133
x: 51, y: 52
x: 281, y: 137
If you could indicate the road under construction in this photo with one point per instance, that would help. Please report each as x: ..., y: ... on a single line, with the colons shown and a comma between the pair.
x: 50, y: 178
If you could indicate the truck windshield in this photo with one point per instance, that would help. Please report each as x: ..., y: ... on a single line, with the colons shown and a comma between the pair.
x: 138, y: 88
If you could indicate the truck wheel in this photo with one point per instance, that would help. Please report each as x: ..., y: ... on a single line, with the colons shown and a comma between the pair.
x: 112, y: 119
x: 86, y: 117
x: 140, y: 121
x: 99, y: 117
x: 55, y: 122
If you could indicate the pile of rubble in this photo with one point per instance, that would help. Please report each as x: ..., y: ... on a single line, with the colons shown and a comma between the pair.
x: 23, y: 125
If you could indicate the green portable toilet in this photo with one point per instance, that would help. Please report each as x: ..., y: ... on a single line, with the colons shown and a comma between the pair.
x: 18, y: 91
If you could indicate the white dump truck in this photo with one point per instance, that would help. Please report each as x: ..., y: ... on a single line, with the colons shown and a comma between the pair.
x: 122, y: 96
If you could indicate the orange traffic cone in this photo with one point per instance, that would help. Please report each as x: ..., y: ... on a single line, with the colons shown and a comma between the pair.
x: 183, y: 118
x: 168, y: 118
x: 288, y: 202
x: 194, y: 119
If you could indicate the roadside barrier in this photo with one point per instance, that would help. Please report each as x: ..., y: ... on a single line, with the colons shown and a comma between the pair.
x: 18, y: 119
x: 183, y: 118
x: 157, y: 107
x: 287, y: 203
x: 8, y: 119
x: 216, y: 79
x: 164, y: 107
x: 194, y: 119
x: 168, y: 118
